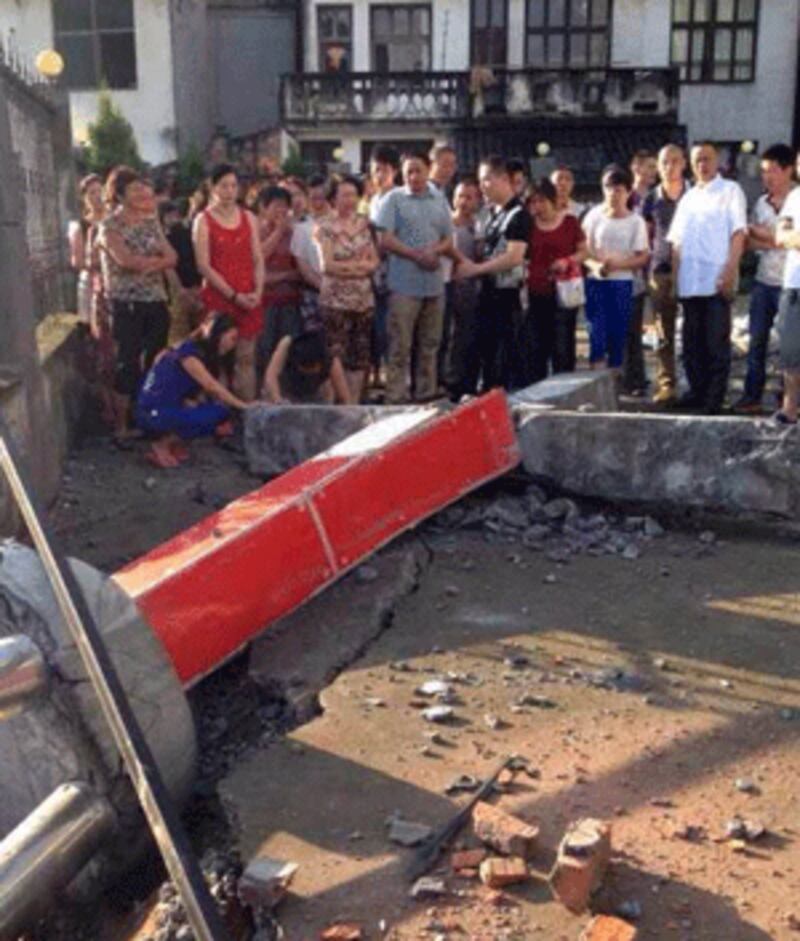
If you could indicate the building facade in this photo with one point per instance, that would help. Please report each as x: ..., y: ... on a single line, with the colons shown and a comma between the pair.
x: 178, y: 69
x: 566, y: 76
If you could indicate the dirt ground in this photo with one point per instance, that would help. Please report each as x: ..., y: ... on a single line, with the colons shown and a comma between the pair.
x: 670, y: 677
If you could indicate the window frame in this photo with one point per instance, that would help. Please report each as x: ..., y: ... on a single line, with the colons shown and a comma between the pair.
x: 334, y: 8
x: 567, y: 31
x: 95, y: 33
x: 473, y: 59
x: 374, y: 8
x: 708, y: 30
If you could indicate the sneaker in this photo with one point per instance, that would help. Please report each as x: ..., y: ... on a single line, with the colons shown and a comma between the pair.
x: 781, y: 418
x: 746, y: 406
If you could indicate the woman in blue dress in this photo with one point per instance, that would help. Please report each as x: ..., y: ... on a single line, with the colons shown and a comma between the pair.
x: 181, y: 397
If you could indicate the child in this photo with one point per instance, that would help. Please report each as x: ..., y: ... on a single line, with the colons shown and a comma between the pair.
x: 617, y: 245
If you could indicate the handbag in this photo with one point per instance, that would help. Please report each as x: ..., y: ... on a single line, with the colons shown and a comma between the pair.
x: 570, y: 289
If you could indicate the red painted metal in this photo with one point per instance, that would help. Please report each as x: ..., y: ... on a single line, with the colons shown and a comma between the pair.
x: 210, y: 590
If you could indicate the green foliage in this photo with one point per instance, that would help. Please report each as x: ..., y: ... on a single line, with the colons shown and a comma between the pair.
x: 293, y: 165
x: 111, y: 138
x: 191, y: 169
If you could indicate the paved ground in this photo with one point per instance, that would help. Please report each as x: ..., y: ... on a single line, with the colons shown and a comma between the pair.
x: 657, y: 759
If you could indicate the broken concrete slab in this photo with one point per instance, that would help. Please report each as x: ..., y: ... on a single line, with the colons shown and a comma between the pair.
x: 279, y: 437
x: 732, y: 464
x: 590, y: 389
x: 265, y: 882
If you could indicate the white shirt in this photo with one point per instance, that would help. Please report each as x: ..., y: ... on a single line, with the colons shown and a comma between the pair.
x: 770, y: 261
x: 791, y: 272
x: 610, y: 238
x: 704, y: 222
x: 303, y: 245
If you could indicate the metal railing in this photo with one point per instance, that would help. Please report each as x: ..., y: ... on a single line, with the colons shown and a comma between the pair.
x: 482, y: 95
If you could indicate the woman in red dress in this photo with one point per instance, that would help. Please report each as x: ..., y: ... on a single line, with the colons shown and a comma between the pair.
x: 229, y: 258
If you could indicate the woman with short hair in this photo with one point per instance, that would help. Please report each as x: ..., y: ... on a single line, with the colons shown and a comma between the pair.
x: 229, y: 258
x: 347, y: 299
x: 134, y: 255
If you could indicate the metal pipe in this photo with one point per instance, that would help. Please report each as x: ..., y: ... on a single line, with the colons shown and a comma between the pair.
x: 23, y: 673
x: 47, y: 850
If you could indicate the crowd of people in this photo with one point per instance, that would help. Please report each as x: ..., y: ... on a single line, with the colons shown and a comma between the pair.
x: 424, y: 282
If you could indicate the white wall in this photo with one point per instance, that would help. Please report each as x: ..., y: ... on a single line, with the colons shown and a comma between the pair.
x: 149, y: 107
x: 762, y: 110
x: 449, y: 41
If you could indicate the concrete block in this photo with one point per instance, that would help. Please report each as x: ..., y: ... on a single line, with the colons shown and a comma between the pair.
x: 571, y: 390
x: 502, y: 832
x: 608, y: 928
x: 467, y: 859
x: 580, y: 867
x: 265, y: 882
x: 279, y: 437
x: 730, y: 464
x: 499, y: 871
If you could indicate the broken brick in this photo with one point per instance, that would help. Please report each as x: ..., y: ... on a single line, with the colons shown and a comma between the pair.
x: 504, y: 833
x: 607, y: 928
x: 467, y: 859
x: 265, y: 882
x: 580, y: 867
x: 499, y: 871
x: 342, y: 932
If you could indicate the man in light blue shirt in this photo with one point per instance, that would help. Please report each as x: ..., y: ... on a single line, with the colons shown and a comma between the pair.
x: 416, y: 231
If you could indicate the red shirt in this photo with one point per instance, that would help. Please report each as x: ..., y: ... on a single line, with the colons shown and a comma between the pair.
x: 231, y: 255
x: 547, y: 247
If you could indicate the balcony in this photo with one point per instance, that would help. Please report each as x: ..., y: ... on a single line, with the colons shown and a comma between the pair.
x: 483, y: 96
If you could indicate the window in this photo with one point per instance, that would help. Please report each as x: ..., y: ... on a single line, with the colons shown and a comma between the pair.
x: 335, y: 33
x: 97, y: 41
x: 489, y: 32
x: 401, y: 37
x: 568, y: 33
x: 714, y: 40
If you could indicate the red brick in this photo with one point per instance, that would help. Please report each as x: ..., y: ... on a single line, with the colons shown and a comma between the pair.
x: 580, y: 867
x: 504, y: 833
x: 467, y: 859
x: 500, y: 871
x: 606, y: 928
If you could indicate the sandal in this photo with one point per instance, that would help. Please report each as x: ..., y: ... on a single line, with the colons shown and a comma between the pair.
x: 781, y: 418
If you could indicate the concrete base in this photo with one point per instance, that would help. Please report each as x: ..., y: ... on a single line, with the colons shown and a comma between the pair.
x: 279, y: 437
x: 593, y: 390
x: 733, y: 464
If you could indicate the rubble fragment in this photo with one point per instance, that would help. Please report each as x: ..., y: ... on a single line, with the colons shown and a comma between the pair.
x: 500, y: 871
x: 342, y: 932
x: 503, y: 832
x: 428, y: 887
x: 437, y: 714
x: 408, y: 833
x: 266, y: 881
x: 608, y: 928
x: 583, y: 857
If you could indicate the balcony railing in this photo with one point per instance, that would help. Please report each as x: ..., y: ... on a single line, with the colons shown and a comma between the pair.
x: 480, y: 96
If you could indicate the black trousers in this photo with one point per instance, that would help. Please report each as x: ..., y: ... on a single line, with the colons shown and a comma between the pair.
x: 634, y: 375
x: 548, y: 338
x: 707, y: 349
x: 140, y: 330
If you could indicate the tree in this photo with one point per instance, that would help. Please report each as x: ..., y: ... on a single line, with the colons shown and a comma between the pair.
x: 111, y: 138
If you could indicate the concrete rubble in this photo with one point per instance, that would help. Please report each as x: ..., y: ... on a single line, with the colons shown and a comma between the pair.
x: 580, y: 867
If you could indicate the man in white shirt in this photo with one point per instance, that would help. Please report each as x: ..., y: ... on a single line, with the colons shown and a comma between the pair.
x: 777, y: 169
x: 788, y: 237
x: 708, y: 234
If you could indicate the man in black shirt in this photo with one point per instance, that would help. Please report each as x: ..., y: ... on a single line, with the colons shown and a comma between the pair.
x: 494, y: 353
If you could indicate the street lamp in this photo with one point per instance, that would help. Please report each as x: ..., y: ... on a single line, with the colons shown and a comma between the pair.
x: 542, y: 149
x: 49, y: 64
x: 747, y: 147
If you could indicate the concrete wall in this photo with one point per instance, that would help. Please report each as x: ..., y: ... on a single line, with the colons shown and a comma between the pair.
x: 150, y: 107
x: 762, y: 110
x: 192, y: 92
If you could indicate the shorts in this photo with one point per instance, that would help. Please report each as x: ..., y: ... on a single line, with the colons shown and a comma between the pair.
x: 349, y: 334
